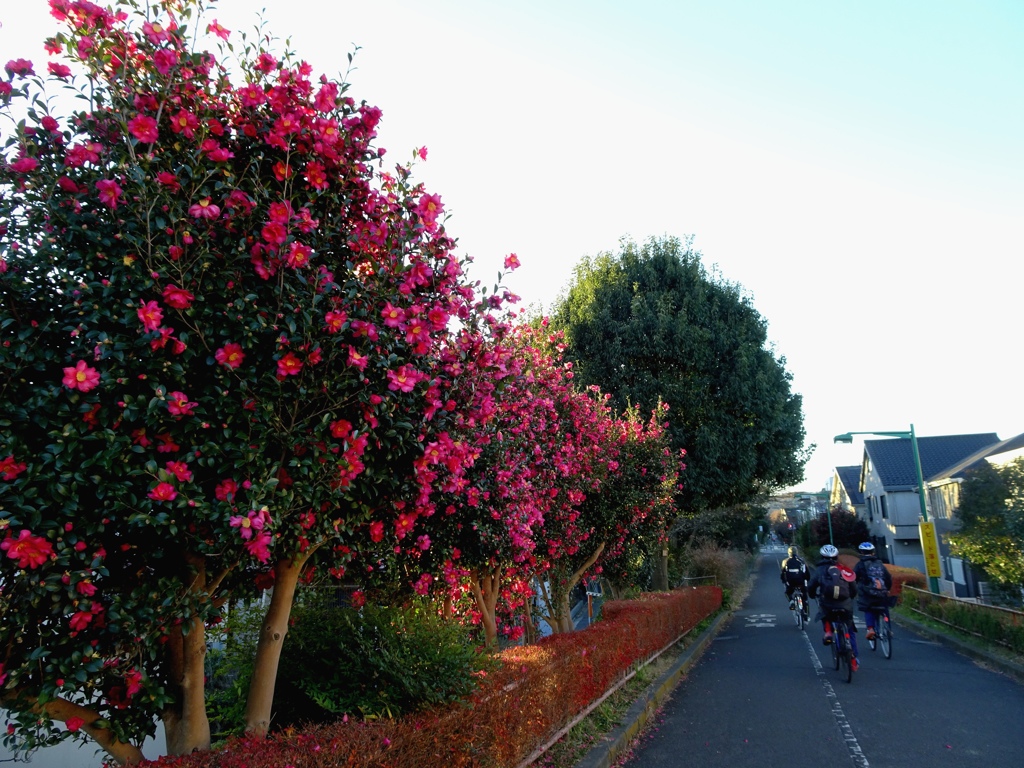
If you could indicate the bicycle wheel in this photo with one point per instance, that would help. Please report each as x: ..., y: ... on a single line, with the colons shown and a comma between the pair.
x: 885, y: 635
x: 835, y: 650
x: 846, y: 655
x: 872, y: 643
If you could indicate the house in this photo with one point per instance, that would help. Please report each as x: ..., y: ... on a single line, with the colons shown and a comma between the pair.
x: 889, y: 484
x: 845, y: 492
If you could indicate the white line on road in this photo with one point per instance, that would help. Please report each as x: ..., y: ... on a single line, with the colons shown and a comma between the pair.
x: 837, y: 711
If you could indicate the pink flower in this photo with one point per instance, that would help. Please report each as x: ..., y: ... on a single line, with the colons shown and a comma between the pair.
x: 109, y: 192
x: 393, y: 316
x: 144, y: 128
x: 30, y: 551
x: 178, y: 298
x: 218, y: 30
x: 10, y: 469
x: 178, y: 404
x: 422, y: 153
x: 230, y: 355
x: 74, y: 723
x: 259, y: 546
x: 204, y: 209
x: 289, y: 365
x: 180, y: 471
x: 335, y: 320
x: 163, y: 492
x: 19, y: 67
x: 429, y: 208
x: 81, y: 376
x: 512, y: 261
x: 357, y: 360
x: 316, y: 176
x: 185, y: 122
x: 58, y: 70
x: 24, y: 165
x: 340, y: 429
x: 151, y: 316
x: 404, y: 379
x: 164, y: 60
x: 298, y: 254
x: 156, y: 32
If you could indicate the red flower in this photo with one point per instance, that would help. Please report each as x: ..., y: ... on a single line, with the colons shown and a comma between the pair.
x: 151, y: 316
x: 226, y: 490
x: 180, y: 471
x: 335, y: 320
x: 177, y: 297
x: 230, y: 355
x: 218, y: 30
x: 289, y: 365
x: 169, y: 180
x: 10, y: 469
x: 58, y: 70
x: 376, y: 531
x: 163, y: 492
x: 19, y: 67
x: 109, y: 192
x: 429, y: 208
x: 74, y: 723
x: 185, y: 122
x: 30, y: 551
x: 24, y: 165
x: 81, y: 376
x: 144, y: 128
x: 298, y: 255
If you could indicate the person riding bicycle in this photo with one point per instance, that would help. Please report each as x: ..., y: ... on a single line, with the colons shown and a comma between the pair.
x: 794, y: 575
x: 836, y: 600
x: 873, y: 584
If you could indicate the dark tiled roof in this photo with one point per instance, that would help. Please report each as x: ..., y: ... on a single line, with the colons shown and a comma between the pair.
x: 893, y: 458
x: 850, y: 478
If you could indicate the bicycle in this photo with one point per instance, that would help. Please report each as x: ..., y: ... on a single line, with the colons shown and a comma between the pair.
x: 842, y: 647
x: 799, y: 608
x: 883, y: 628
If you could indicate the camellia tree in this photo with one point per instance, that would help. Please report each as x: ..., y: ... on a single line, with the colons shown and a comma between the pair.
x: 224, y: 328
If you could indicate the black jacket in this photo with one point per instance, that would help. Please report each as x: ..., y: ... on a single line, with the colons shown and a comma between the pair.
x: 864, y: 600
x: 817, y: 577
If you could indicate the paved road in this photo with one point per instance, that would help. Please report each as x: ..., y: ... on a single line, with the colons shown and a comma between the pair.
x: 765, y: 694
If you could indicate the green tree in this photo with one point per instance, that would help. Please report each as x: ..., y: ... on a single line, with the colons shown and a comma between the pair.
x: 649, y: 323
x: 991, y: 516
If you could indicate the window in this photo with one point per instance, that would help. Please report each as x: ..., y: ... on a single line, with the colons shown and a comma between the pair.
x: 885, y: 508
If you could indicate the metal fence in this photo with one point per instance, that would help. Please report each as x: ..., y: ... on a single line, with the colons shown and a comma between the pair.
x: 1004, y: 626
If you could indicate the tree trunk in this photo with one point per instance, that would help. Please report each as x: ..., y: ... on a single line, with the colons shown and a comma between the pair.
x: 187, y: 727
x: 485, y: 586
x: 268, y: 651
x: 561, y: 621
x: 660, y: 578
x: 124, y: 753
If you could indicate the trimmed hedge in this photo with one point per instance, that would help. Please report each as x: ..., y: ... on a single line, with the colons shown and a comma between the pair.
x: 535, y: 691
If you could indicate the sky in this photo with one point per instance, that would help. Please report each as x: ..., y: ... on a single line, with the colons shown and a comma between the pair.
x: 857, y: 167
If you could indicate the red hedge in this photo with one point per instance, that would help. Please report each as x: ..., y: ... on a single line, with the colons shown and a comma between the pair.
x: 536, y: 691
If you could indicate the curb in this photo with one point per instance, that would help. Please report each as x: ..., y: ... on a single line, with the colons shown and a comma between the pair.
x: 614, y: 743
x: 1011, y: 668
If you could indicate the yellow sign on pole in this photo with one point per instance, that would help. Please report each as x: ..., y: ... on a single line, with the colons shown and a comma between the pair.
x: 930, y: 547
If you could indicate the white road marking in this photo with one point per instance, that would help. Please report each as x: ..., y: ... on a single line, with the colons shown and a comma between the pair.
x: 856, y: 754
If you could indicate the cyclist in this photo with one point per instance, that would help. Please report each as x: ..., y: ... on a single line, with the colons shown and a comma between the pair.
x: 836, y: 600
x: 794, y: 575
x: 873, y: 584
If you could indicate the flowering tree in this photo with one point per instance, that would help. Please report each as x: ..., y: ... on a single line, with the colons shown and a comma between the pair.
x: 223, y: 332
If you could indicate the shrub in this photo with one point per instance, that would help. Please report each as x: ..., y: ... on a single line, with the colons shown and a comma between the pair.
x: 375, y: 661
x: 708, y: 559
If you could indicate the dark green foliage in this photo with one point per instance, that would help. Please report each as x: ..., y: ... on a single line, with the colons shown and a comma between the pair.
x: 375, y: 661
x: 650, y: 323
x: 847, y: 530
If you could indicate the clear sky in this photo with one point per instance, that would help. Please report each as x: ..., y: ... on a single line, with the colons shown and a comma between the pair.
x: 857, y: 167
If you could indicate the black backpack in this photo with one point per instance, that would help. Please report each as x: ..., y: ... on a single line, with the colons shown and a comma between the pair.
x: 834, y: 587
x: 874, y: 585
x: 795, y: 570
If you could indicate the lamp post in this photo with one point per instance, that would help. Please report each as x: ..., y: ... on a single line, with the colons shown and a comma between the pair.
x: 926, y: 528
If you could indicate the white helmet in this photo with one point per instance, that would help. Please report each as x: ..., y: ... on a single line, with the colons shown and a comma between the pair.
x: 829, y: 551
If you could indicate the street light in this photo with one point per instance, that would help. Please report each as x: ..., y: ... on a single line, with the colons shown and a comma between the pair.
x: 926, y: 528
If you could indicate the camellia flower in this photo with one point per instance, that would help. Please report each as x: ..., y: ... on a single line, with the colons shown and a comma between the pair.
x: 178, y: 404
x: 512, y: 261
x: 218, y: 30
x: 74, y: 723
x: 19, y: 67
x: 81, y: 376
x: 335, y: 320
x: 230, y: 355
x: 180, y: 471
x: 289, y: 365
x: 109, y: 192
x: 185, y: 122
x: 169, y: 180
x: 57, y: 69
x: 150, y: 315
x: 177, y: 297
x: 10, y: 469
x: 24, y: 165
x: 204, y: 209
x: 163, y: 492
x: 144, y: 128
x: 429, y: 208
x: 226, y: 490
x: 30, y: 551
